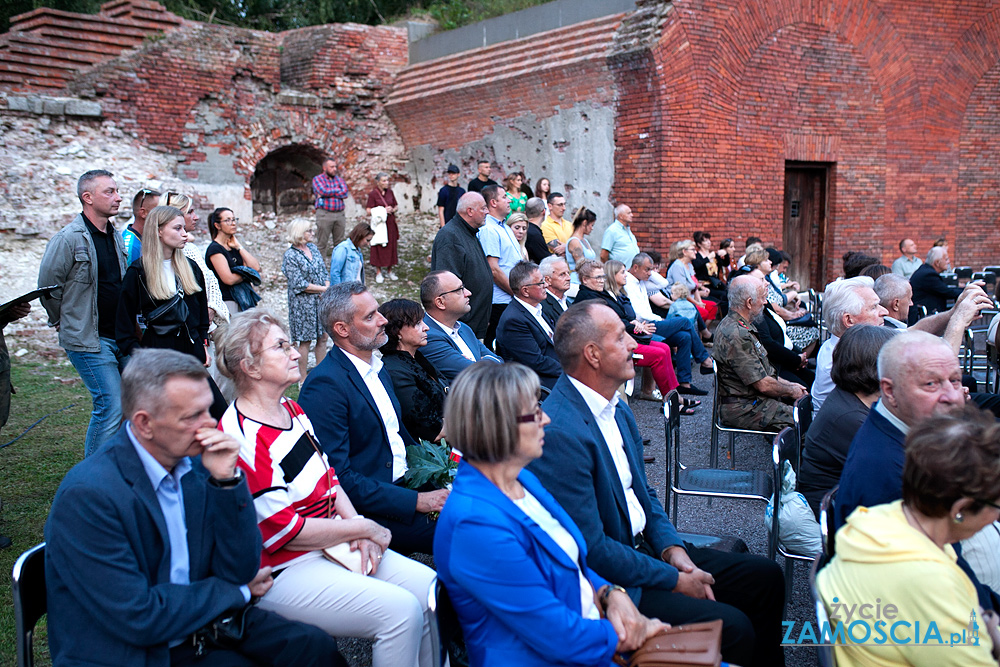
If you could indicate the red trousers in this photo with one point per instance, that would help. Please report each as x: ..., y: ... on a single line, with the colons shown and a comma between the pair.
x: 657, y: 357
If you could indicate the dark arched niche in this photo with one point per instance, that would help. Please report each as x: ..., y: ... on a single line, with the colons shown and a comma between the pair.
x: 281, y: 180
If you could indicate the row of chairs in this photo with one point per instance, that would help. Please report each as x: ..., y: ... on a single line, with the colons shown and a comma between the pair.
x: 752, y: 485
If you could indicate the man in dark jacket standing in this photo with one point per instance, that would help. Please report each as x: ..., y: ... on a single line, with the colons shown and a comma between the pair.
x: 457, y: 249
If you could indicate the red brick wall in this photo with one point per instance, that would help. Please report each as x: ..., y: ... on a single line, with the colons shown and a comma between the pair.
x: 452, y: 101
x: 900, y: 96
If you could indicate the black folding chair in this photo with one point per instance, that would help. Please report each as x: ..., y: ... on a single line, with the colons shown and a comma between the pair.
x: 785, y: 448
x: 28, y: 587
x: 826, y: 655
x: 706, y: 482
x: 827, y: 527
x: 802, y: 416
x: 718, y: 428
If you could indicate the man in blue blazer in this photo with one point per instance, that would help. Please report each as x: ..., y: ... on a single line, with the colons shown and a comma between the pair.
x: 145, y: 546
x: 523, y: 334
x: 592, y: 465
x: 919, y: 377
x: 352, y: 406
x: 452, y: 346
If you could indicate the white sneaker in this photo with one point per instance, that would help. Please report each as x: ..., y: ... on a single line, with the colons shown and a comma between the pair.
x: 393, y: 276
x: 379, y: 279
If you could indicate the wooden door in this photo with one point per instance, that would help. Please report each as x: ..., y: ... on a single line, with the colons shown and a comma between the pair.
x: 804, y: 226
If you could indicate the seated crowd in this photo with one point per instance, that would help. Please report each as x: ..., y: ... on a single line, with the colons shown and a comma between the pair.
x: 295, y: 520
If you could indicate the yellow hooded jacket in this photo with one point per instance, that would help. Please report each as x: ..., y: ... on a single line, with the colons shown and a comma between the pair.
x: 881, y: 560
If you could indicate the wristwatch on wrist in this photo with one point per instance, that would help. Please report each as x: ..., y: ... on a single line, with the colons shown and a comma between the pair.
x: 229, y: 482
x: 607, y: 592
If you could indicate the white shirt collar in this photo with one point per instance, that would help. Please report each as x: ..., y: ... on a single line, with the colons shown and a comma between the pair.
x: 447, y: 329
x: 561, y: 299
x: 893, y: 419
x: 531, y: 309
x: 363, y: 366
x: 598, y: 404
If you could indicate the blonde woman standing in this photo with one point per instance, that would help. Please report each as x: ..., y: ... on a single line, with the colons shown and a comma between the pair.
x: 163, y: 302
x: 218, y: 313
x: 307, y: 277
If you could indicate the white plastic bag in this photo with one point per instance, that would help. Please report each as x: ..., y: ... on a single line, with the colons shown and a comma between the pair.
x: 379, y: 226
x: 799, y: 530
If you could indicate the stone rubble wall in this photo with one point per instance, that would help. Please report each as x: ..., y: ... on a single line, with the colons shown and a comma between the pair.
x: 196, y: 109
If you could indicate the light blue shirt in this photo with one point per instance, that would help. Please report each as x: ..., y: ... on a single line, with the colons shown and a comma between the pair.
x: 498, y: 241
x: 170, y: 496
x: 903, y: 266
x: 620, y: 243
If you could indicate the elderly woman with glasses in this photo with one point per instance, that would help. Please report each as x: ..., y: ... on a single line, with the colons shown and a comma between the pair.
x: 536, y: 603
x: 362, y: 589
x: 901, y: 553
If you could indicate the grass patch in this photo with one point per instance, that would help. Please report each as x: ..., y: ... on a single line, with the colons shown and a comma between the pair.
x: 30, y: 472
x: 451, y: 14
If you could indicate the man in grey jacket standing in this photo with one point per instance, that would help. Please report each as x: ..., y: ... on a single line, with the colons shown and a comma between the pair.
x: 86, y: 260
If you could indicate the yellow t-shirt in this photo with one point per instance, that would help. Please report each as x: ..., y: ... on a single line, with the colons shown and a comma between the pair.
x: 553, y: 229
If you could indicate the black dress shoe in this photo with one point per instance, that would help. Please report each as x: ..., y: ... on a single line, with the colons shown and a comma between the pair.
x: 705, y: 370
x: 692, y: 390
x: 648, y: 458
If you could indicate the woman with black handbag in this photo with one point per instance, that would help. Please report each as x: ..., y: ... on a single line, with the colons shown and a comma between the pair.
x: 163, y: 302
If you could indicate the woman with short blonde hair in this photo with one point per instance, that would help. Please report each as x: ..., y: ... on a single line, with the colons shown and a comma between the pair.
x: 332, y: 567
x: 307, y: 277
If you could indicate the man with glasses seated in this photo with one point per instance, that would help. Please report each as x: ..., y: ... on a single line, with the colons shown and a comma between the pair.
x: 523, y: 334
x: 451, y: 345
x: 145, y: 200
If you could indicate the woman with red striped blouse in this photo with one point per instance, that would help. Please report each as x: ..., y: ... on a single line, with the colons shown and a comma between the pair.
x: 358, y: 590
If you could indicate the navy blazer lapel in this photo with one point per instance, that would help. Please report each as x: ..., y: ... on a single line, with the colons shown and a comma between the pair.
x: 622, y: 420
x: 135, y: 475
x: 603, y: 453
x: 193, y: 488
x: 532, y: 321
x: 436, y: 328
x: 466, y: 332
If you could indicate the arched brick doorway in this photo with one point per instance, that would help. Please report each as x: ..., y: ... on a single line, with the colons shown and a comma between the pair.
x: 281, y: 180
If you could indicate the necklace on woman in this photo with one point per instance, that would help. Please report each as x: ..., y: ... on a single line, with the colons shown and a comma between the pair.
x: 912, y: 518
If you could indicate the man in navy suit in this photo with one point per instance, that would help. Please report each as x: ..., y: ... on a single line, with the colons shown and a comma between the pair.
x: 592, y: 464
x: 451, y: 346
x: 523, y: 334
x: 919, y: 377
x: 146, y: 545
x: 351, y: 404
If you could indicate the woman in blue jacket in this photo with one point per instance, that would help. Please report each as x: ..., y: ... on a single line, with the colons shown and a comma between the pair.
x: 347, y: 264
x: 512, y: 561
